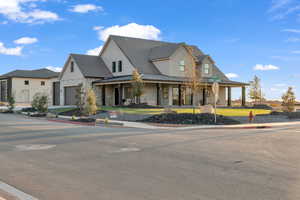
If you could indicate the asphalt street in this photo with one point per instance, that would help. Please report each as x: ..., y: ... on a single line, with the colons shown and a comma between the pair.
x: 56, y: 161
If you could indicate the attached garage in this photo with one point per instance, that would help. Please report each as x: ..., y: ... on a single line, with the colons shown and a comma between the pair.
x: 70, y: 95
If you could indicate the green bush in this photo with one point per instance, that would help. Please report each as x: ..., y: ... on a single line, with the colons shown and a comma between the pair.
x: 11, y: 103
x: 40, y: 102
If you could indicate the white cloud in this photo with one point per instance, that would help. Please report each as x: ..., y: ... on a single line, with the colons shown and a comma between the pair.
x: 56, y: 69
x: 232, y: 75
x: 94, y: 52
x: 291, y: 30
x: 281, y: 85
x: 22, y: 11
x: 16, y: 51
x: 293, y: 39
x: 130, y: 30
x: 85, y: 8
x: 296, y: 52
x: 278, y: 4
x: 26, y: 40
x: 260, y: 67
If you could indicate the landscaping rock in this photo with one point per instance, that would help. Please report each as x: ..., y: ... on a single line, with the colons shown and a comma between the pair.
x: 185, y: 118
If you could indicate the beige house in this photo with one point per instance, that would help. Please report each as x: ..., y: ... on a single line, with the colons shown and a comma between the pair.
x: 163, y: 66
x: 24, y: 84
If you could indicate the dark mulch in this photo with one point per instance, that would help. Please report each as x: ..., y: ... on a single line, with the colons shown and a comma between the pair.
x: 185, y: 118
x: 294, y: 115
x: 84, y: 120
x: 28, y: 109
x: 75, y: 112
x: 142, y: 105
x: 38, y: 115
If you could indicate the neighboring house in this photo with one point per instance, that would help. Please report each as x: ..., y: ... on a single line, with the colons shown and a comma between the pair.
x: 163, y: 67
x: 24, y: 84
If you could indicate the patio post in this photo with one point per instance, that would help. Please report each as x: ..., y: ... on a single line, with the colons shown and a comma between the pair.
x: 243, y: 96
x: 121, y: 94
x: 179, y: 96
x: 229, y: 103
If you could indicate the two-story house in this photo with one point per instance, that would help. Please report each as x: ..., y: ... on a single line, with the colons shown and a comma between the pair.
x: 163, y: 66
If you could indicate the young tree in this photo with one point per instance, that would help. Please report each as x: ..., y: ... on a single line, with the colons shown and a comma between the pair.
x: 91, y: 102
x: 137, y: 86
x: 289, y: 100
x: 11, y: 103
x: 255, y: 92
x: 193, y: 75
x: 80, y: 98
x: 40, y: 102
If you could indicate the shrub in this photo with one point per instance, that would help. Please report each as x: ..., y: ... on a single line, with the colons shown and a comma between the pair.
x: 11, y: 103
x: 40, y: 102
x: 91, y: 105
x: 289, y: 100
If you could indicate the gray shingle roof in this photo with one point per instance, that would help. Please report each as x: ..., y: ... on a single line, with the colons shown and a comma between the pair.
x: 39, y: 73
x: 138, y: 51
x: 91, y: 66
x: 164, y: 51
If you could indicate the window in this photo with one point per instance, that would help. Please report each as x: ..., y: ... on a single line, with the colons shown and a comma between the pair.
x: 42, y: 83
x: 128, y: 92
x: 182, y: 66
x: 206, y: 68
x: 120, y: 66
x: 72, y: 66
x: 26, y: 82
x: 114, y: 67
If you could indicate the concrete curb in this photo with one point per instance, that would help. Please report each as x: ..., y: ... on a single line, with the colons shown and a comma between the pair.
x: 239, y: 126
x: 15, y: 192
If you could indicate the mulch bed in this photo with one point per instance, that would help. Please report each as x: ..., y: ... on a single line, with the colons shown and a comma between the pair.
x: 142, y: 105
x: 185, y: 118
x: 75, y: 112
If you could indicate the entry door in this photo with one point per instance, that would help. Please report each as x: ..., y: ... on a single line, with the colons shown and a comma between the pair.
x: 56, y: 93
x: 70, y: 95
x: 117, y: 96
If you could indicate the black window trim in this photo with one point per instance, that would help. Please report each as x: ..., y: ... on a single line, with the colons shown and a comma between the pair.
x: 120, y: 66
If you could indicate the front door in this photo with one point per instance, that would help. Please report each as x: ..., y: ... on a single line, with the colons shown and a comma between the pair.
x: 117, y: 96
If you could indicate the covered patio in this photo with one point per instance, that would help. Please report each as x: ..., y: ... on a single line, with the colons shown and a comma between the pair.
x: 161, y: 90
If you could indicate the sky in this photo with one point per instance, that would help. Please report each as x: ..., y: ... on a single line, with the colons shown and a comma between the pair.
x: 245, y: 38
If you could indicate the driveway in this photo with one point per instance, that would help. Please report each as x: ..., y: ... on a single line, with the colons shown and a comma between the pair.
x: 50, y: 160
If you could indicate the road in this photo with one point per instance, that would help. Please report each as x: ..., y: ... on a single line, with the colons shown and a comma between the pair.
x: 55, y: 161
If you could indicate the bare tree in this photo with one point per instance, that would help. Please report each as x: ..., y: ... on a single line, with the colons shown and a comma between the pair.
x: 192, y: 75
x: 255, y: 92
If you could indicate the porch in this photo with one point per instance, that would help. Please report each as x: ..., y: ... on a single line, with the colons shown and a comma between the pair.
x: 164, y: 93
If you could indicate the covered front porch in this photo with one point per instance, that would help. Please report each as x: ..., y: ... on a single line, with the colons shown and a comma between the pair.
x: 164, y: 93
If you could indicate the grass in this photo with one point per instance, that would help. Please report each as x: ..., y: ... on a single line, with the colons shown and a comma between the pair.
x: 152, y: 111
x: 221, y: 111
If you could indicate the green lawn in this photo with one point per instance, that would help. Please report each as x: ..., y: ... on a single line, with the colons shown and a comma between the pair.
x: 220, y: 111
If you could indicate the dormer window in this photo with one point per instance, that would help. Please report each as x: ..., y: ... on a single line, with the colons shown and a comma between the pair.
x: 182, y: 66
x: 120, y: 66
x: 72, y: 67
x: 206, y: 69
x: 114, y: 67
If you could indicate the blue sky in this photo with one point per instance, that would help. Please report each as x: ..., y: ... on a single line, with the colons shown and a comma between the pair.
x: 245, y: 38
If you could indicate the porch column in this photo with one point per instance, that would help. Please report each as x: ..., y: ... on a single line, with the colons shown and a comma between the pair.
x: 121, y: 94
x: 229, y: 96
x: 243, y: 96
x: 158, y: 94
x: 204, y: 97
x: 179, y: 96
x: 103, y: 95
